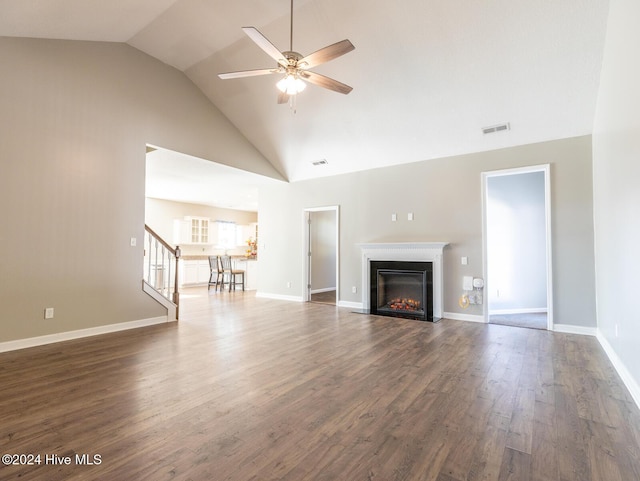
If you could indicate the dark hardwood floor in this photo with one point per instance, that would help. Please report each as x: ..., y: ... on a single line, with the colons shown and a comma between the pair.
x: 327, y: 297
x: 256, y: 389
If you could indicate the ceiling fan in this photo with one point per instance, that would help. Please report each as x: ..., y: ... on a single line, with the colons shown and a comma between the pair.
x: 294, y: 66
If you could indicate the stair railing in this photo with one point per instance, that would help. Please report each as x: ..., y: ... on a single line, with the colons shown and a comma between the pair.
x: 161, y: 266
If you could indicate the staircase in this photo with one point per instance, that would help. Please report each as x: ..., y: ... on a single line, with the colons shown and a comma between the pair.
x: 160, y: 277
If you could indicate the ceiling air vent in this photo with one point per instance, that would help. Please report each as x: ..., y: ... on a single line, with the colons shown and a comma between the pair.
x: 496, y: 128
x: 320, y: 162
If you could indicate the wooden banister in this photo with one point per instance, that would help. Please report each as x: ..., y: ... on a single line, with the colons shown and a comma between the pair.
x: 162, y: 241
x: 160, y: 257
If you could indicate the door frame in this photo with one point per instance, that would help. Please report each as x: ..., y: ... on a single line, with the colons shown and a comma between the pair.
x: 306, y: 262
x: 546, y: 169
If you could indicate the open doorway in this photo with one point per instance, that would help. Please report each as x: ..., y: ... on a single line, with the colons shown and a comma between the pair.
x: 517, y: 247
x: 322, y: 254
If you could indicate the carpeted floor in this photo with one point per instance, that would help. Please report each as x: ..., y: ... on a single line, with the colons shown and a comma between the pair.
x: 536, y: 320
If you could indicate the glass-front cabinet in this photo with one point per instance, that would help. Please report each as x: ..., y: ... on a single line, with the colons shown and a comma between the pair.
x: 199, y: 230
x: 192, y: 230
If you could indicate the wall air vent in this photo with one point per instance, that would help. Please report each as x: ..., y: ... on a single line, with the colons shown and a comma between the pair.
x: 320, y: 162
x: 496, y: 128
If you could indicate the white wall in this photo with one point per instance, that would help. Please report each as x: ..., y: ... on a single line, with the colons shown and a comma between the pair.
x: 516, y: 243
x: 323, y: 249
x: 616, y: 175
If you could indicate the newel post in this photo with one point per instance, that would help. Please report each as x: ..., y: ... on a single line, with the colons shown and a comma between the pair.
x: 176, y: 294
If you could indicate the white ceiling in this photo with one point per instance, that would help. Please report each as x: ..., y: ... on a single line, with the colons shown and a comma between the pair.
x: 427, y: 75
x: 183, y: 178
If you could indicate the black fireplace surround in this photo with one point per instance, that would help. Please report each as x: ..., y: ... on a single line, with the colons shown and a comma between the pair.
x: 402, y: 289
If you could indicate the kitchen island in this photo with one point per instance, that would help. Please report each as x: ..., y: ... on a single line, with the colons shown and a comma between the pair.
x: 193, y: 270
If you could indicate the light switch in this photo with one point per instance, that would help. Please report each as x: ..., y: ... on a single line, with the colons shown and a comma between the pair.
x: 464, y: 260
x: 394, y: 217
x: 410, y: 216
x: 134, y: 242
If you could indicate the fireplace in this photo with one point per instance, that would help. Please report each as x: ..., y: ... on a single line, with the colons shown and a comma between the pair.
x: 402, y: 289
x: 405, y: 252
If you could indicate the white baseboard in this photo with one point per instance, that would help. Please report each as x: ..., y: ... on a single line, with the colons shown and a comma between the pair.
x: 350, y: 305
x: 463, y: 317
x: 623, y: 372
x: 80, y: 333
x: 326, y: 289
x: 569, y: 329
x: 279, y: 297
x: 499, y: 312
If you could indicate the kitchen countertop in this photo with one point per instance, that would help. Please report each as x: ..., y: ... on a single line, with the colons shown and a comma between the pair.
x: 204, y: 258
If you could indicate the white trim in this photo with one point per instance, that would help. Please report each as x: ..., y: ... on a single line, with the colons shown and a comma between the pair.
x: 464, y: 317
x: 405, y: 251
x: 499, y: 312
x: 325, y: 289
x: 279, y: 297
x: 160, y: 299
x: 350, y: 305
x: 623, y: 372
x: 306, y: 259
x: 546, y: 169
x: 80, y: 333
x: 570, y: 329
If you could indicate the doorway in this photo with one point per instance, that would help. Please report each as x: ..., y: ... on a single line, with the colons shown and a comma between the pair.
x: 321, y: 255
x: 517, y: 247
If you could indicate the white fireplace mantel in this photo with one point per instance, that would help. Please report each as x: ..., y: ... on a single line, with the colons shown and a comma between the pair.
x: 405, y: 251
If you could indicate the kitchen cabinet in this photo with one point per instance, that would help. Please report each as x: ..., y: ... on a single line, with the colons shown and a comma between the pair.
x: 246, y: 232
x: 194, y: 272
x: 250, y: 268
x: 192, y: 230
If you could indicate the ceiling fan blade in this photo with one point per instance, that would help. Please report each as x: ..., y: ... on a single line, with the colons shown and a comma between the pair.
x: 248, y: 73
x: 282, y: 98
x: 325, y: 54
x: 262, y: 42
x: 326, y: 82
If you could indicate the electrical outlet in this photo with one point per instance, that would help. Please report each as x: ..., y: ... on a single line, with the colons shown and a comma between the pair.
x: 464, y: 261
x: 354, y: 289
x: 288, y: 284
x: 394, y: 217
x: 48, y: 313
x: 133, y: 242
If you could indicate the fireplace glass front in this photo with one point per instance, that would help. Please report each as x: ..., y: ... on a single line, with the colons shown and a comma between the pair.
x: 402, y: 289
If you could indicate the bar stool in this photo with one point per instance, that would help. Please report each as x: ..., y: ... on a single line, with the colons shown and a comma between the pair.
x: 213, y: 268
x: 224, y: 266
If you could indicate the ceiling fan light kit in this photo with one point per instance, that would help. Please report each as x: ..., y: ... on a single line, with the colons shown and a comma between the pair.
x: 294, y: 66
x: 291, y: 85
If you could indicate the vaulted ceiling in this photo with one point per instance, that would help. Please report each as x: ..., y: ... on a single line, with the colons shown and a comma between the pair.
x: 427, y: 75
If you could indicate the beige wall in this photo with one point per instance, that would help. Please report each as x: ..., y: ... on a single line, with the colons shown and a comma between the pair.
x: 445, y: 197
x: 616, y: 172
x: 75, y: 119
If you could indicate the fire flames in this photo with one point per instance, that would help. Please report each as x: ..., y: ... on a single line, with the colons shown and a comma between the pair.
x: 404, y: 304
